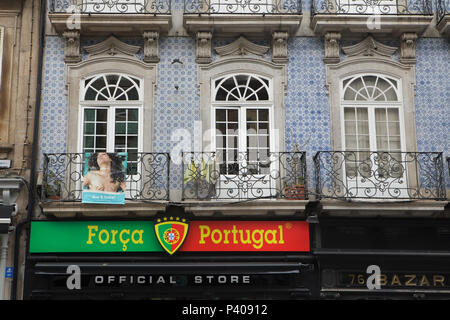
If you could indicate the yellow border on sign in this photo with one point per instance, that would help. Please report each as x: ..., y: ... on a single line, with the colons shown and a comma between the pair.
x: 186, y: 225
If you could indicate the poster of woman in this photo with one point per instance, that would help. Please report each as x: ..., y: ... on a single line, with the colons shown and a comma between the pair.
x: 104, y: 178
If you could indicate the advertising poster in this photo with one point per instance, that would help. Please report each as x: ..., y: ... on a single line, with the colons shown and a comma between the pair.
x: 104, y: 178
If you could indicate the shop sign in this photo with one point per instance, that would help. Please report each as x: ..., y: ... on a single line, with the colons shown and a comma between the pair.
x: 168, y: 234
x: 396, y: 280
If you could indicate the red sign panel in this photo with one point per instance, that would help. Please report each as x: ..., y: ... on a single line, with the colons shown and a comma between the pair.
x: 247, y: 236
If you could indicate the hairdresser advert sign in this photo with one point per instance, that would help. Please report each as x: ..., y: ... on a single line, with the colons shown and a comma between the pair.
x: 104, y: 177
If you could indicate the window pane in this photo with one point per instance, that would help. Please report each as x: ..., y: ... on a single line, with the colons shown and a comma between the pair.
x: 132, y: 142
x: 263, y: 128
x: 363, y: 127
x: 89, y: 128
x: 263, y: 115
x: 362, y: 114
x: 252, y: 128
x: 120, y: 128
x: 380, y: 114
x: 221, y: 128
x: 132, y: 128
x: 100, y: 142
x: 133, y: 114
x: 350, y: 142
x: 350, y: 127
x: 381, y: 129
x: 88, y: 142
x: 349, y: 114
x: 121, y: 114
x: 252, y: 115
x: 102, y: 115
x: 393, y: 114
x: 232, y: 115
x: 89, y: 114
x: 233, y: 128
x: 394, y: 128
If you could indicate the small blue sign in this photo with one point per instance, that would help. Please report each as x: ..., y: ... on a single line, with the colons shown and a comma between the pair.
x: 9, y: 272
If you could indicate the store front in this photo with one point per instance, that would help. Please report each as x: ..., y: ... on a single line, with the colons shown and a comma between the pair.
x: 409, y: 257
x: 170, y: 258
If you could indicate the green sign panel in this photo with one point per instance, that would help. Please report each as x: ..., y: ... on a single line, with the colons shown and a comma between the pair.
x: 93, y: 236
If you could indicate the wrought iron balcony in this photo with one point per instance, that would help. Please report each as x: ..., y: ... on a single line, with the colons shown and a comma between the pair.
x: 249, y: 7
x: 370, y: 7
x: 379, y: 175
x: 111, y: 6
x: 244, y: 176
x: 147, y: 176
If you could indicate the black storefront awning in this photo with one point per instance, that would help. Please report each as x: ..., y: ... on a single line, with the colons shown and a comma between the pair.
x: 5, y: 217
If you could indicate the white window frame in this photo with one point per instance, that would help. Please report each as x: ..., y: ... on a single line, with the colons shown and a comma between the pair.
x: 358, y: 184
x: 371, y: 106
x: 242, y: 107
x: 111, y: 106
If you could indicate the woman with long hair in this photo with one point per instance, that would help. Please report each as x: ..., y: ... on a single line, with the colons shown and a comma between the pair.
x: 105, y: 173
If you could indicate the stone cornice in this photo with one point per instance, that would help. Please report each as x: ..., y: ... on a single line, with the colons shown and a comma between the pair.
x: 112, y: 46
x: 369, y: 47
x: 241, y: 46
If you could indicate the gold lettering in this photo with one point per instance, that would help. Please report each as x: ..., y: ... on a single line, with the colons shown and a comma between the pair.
x: 234, y: 231
x: 226, y: 233
x: 260, y: 241
x: 113, y: 238
x: 248, y: 237
x: 139, y: 232
x: 396, y: 280
x: 424, y: 281
x: 438, y: 278
x: 105, y: 232
x: 274, y: 237
x: 124, y: 242
x: 383, y: 279
x: 281, y: 235
x: 411, y: 277
x: 91, y: 234
x: 219, y: 240
x: 204, y: 232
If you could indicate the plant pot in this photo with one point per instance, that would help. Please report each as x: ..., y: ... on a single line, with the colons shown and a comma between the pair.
x: 54, y: 197
x: 295, y: 192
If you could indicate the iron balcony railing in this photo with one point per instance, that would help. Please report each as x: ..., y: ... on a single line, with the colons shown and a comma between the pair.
x: 442, y: 9
x: 244, y: 176
x: 263, y: 7
x: 379, y: 175
x: 111, y: 6
x: 146, y: 177
x: 372, y: 7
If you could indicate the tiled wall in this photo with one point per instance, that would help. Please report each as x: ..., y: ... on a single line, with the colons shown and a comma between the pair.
x: 306, y: 102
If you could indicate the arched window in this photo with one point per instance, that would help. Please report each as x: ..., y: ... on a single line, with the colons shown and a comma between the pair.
x: 111, y: 107
x: 242, y: 119
x: 373, y: 127
x: 112, y: 87
x: 370, y: 88
x: 242, y: 88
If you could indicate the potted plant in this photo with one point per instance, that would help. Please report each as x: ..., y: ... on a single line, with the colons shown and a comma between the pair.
x: 202, y: 177
x: 295, y: 189
x: 52, y: 189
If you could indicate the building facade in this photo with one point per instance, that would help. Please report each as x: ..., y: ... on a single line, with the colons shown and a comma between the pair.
x: 293, y: 147
x: 19, y: 98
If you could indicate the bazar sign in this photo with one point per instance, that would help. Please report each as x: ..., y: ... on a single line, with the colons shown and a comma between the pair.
x: 148, y: 236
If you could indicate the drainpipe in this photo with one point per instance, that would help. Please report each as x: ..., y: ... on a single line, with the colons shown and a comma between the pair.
x: 3, y: 252
x: 34, y: 155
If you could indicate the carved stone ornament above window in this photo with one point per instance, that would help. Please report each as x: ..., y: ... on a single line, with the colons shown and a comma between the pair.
x: 369, y: 47
x: 112, y: 47
x: 241, y: 47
